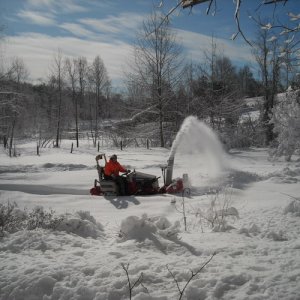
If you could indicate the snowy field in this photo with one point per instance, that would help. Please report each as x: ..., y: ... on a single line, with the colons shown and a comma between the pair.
x: 257, y: 247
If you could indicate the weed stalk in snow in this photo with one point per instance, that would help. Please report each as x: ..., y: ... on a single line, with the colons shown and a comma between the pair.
x: 193, y: 274
x: 131, y: 285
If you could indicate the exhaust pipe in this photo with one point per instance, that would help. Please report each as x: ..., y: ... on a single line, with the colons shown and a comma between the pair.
x: 169, y: 172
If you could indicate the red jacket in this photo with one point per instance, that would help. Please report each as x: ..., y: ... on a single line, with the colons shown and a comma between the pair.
x: 113, y: 168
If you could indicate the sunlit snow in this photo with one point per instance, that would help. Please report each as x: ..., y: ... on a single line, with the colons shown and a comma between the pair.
x: 85, y: 257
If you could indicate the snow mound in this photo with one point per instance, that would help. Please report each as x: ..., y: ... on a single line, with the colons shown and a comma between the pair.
x: 277, y: 236
x: 285, y: 175
x: 140, y: 229
x: 34, y: 240
x: 40, y: 168
x: 231, y: 178
x: 19, y: 169
x: 239, y: 179
x: 65, y: 167
x: 82, y: 224
x: 293, y: 207
x: 136, y: 228
x: 230, y: 282
x: 254, y: 230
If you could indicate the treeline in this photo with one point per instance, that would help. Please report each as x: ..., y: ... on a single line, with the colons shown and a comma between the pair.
x: 76, y: 97
x: 161, y: 90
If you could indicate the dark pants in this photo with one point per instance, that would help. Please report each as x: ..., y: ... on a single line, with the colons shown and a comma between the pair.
x: 121, y: 183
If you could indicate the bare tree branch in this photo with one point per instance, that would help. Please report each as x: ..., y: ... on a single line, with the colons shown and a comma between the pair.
x: 191, y: 3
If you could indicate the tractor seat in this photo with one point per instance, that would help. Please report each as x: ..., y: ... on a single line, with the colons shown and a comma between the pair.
x: 100, y: 172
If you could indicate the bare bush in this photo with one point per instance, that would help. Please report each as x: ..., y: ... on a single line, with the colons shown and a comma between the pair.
x: 39, y: 218
x: 219, y: 212
x: 10, y: 220
x: 13, y: 219
x: 186, y: 192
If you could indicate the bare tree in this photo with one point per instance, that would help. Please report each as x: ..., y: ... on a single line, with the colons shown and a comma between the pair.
x: 216, y: 88
x: 99, y: 80
x: 72, y: 75
x: 42, y: 114
x: 2, y: 72
x: 266, y: 55
x: 248, y: 85
x: 108, y: 100
x: 57, y: 70
x: 289, y: 61
x: 11, y: 108
x: 19, y: 72
x: 157, y: 59
x: 82, y: 70
x: 5, y: 68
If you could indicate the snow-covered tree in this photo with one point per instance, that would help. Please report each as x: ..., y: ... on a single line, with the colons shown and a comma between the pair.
x: 286, y: 120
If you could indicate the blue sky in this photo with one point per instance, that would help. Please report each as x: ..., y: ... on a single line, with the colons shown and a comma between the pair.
x: 36, y: 29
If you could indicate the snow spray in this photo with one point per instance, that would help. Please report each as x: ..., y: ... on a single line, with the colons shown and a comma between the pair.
x: 201, y: 144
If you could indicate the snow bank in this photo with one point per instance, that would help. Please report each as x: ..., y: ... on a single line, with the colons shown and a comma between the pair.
x: 239, y: 179
x: 49, y: 167
x: 142, y: 228
x: 286, y: 175
x: 82, y: 224
x: 293, y: 207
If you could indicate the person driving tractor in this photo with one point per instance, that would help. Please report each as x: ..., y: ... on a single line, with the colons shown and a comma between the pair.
x: 112, y: 171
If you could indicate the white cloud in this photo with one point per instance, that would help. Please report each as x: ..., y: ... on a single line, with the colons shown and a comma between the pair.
x: 100, y: 25
x: 127, y: 20
x: 71, y: 7
x: 196, y: 44
x: 37, y: 17
x: 65, y: 6
x: 77, y: 30
x: 37, y: 51
x: 124, y: 22
x: 41, y: 3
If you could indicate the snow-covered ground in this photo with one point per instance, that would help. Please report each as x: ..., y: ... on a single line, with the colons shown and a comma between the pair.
x: 257, y: 252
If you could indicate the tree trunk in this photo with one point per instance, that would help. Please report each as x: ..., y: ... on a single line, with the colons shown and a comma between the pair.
x: 76, y: 118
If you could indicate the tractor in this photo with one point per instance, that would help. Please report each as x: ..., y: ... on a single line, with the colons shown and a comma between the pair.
x: 139, y: 183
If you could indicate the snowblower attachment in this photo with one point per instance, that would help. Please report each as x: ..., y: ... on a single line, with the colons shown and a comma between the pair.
x: 173, y: 186
x: 169, y: 170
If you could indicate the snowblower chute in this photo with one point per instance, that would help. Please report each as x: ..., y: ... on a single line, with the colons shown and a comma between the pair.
x: 138, y: 183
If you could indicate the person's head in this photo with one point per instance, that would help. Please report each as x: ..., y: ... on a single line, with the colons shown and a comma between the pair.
x: 114, y: 157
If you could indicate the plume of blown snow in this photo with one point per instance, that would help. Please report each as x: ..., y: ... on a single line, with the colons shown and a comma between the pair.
x: 198, y: 145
